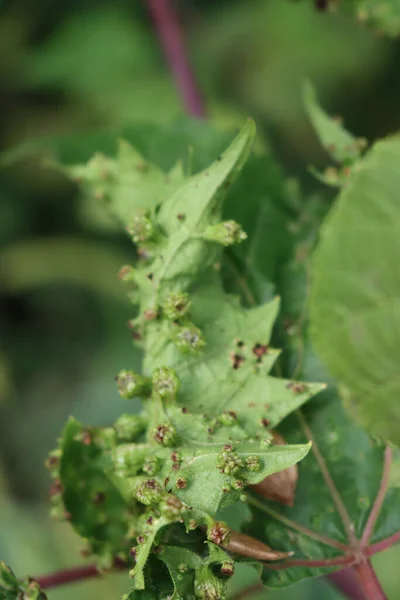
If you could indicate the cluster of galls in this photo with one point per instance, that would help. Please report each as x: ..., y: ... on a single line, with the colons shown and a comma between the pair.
x: 164, y: 383
x: 174, y: 309
x: 175, y: 305
x: 207, y: 586
x: 164, y: 434
x: 150, y: 493
x: 185, y: 335
x: 225, y: 233
x: 226, y: 419
x: 161, y: 505
x: 230, y: 463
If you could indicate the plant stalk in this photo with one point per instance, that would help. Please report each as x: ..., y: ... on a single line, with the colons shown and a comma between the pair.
x: 67, y: 576
x: 380, y: 498
x: 368, y: 581
x: 347, y: 583
x: 74, y: 574
x: 170, y: 34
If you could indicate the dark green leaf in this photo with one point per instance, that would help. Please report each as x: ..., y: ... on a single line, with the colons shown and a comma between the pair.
x: 94, y: 505
x: 231, y: 374
x: 208, y: 488
x: 195, y: 143
x: 354, y: 463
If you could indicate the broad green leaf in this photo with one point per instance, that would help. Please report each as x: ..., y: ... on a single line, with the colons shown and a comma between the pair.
x: 353, y: 461
x: 12, y: 588
x: 355, y: 296
x: 181, y: 564
x: 195, y: 143
x: 143, y: 550
x: 193, y: 207
x: 208, y: 488
x: 341, y: 145
x: 67, y: 149
x: 188, y: 573
x: 94, y: 506
x: 113, y: 180
x: 232, y: 372
x: 158, y: 584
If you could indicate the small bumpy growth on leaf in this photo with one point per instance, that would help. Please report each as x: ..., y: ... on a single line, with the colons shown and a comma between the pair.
x: 229, y: 463
x: 131, y: 384
x: 188, y: 338
x: 225, y: 233
x: 165, y: 382
x: 141, y: 229
x: 150, y: 492
x: 176, y: 305
x: 207, y: 586
x: 164, y: 434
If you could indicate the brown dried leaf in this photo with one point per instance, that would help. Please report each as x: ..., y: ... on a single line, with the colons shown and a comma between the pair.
x: 245, y: 545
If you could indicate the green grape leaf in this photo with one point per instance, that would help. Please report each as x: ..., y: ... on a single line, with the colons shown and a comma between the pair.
x: 214, y: 478
x: 162, y: 144
x: 113, y: 180
x: 93, y: 505
x: 341, y: 145
x: 342, y: 474
x: 354, y: 304
x: 232, y: 372
x: 158, y: 582
x: 196, y: 205
x: 181, y: 564
x: 196, y: 143
x: 144, y: 547
x: 12, y: 588
x: 189, y: 573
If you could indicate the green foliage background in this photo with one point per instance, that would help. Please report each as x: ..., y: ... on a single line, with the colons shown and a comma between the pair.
x: 91, y: 65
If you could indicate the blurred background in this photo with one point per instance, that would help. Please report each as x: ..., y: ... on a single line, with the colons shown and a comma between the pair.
x: 82, y: 65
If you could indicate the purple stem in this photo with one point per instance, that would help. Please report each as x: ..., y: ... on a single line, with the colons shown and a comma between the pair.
x: 346, y: 582
x: 67, y: 576
x: 383, y: 545
x: 380, y: 498
x: 170, y: 35
x: 369, y: 581
x: 74, y: 574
